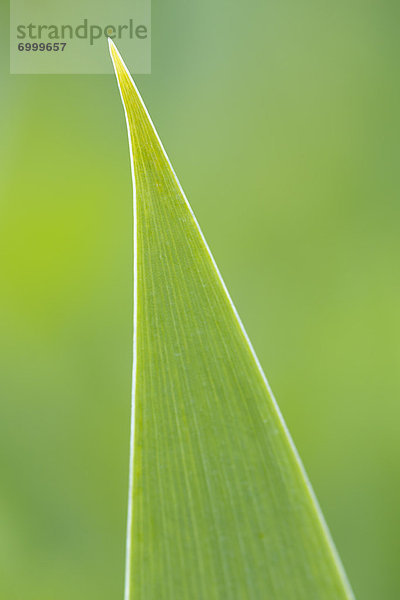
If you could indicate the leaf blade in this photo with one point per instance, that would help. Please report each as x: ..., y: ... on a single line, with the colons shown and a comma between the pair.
x: 220, y: 503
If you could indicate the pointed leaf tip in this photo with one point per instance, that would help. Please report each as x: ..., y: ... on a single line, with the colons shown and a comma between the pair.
x: 219, y: 504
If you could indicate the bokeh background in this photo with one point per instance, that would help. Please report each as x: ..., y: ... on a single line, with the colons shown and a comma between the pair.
x: 282, y: 122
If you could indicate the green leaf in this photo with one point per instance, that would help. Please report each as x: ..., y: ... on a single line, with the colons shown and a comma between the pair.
x: 220, y: 507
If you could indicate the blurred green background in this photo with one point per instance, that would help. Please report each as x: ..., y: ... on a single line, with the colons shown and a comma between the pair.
x: 282, y: 122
